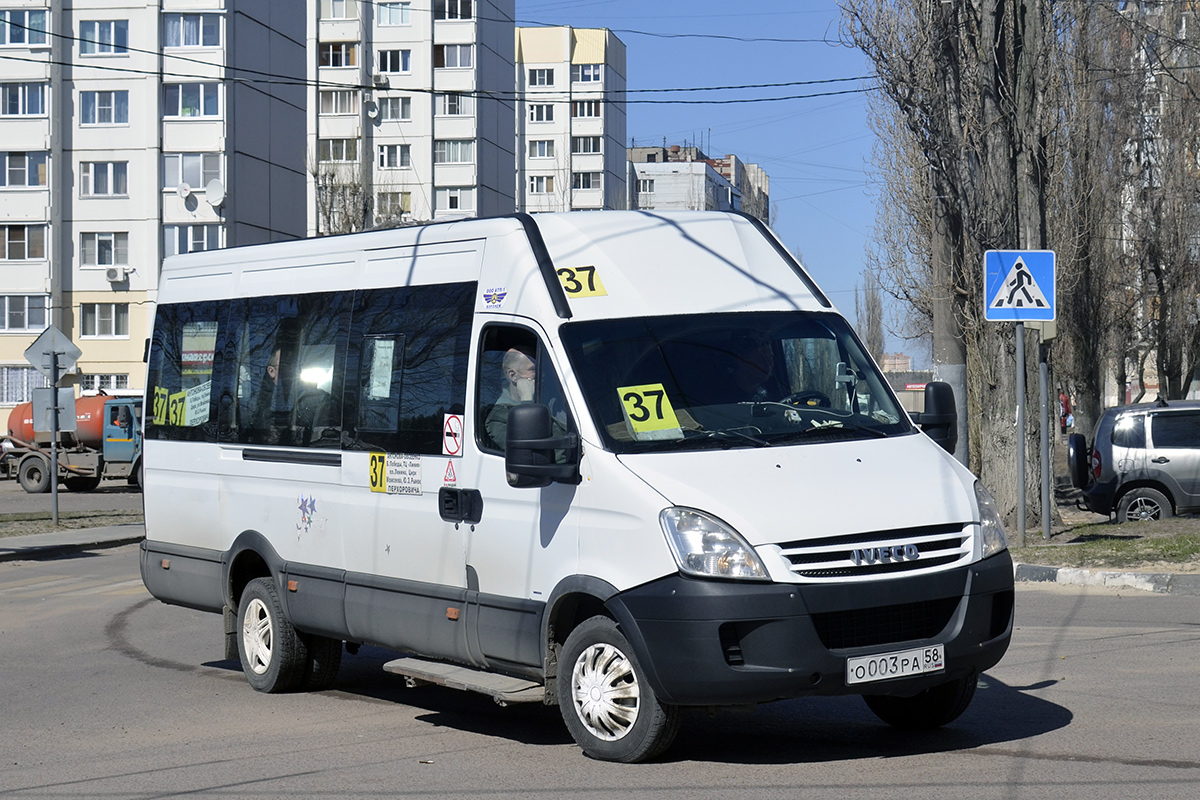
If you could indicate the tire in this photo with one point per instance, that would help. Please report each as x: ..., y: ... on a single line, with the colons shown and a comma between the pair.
x: 34, y: 475
x: 272, y: 653
x: 81, y: 483
x: 1143, y: 503
x: 606, y: 701
x: 1078, y: 459
x: 930, y: 709
x: 324, y: 661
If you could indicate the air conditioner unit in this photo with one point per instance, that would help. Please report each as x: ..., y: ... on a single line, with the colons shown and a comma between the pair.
x: 114, y: 274
x: 379, y: 79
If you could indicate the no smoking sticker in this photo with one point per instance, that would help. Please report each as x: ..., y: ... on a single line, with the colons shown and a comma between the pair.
x: 452, y: 435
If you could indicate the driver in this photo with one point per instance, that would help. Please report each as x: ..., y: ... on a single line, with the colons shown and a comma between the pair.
x: 752, y: 378
x: 520, y: 373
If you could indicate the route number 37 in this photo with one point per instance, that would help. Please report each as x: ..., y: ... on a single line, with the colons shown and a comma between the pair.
x: 581, y: 281
x: 648, y: 408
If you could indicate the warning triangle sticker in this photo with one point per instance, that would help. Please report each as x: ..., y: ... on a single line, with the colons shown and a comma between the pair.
x: 1019, y: 290
x: 449, y: 478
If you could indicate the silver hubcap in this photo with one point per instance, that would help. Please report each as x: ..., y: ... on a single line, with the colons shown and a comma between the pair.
x: 605, y: 691
x: 256, y: 636
x: 1142, y: 508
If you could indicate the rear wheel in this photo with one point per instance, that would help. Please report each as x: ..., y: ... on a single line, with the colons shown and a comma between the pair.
x: 931, y: 708
x: 81, y: 483
x: 34, y: 475
x: 605, y: 699
x: 272, y: 653
x: 1143, y: 503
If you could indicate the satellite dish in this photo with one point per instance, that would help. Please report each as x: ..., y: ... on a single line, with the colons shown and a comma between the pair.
x: 215, y: 192
x: 183, y: 190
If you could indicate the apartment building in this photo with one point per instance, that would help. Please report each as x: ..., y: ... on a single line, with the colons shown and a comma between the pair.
x: 410, y: 112
x: 117, y: 150
x: 571, y: 123
x: 683, y: 177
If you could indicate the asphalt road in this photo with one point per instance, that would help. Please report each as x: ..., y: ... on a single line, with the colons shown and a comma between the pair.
x: 107, y: 693
x: 110, y: 495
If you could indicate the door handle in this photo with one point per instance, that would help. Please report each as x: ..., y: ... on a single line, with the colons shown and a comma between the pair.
x: 460, y: 505
x: 1160, y: 460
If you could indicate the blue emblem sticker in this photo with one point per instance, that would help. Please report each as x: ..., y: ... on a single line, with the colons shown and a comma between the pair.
x: 494, y: 298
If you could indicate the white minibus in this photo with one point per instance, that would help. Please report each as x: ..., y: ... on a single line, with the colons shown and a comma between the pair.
x: 626, y: 463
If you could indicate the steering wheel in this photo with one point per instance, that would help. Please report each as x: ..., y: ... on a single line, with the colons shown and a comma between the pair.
x: 810, y: 398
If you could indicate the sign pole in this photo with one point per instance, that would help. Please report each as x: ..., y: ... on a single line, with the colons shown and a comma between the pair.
x: 1021, y: 433
x: 54, y: 438
x: 1046, y: 421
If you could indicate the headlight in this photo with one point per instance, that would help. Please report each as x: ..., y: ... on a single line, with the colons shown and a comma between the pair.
x: 704, y: 546
x: 991, y: 527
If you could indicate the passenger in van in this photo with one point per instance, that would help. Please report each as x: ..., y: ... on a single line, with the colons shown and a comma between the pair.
x: 271, y: 397
x: 520, y: 374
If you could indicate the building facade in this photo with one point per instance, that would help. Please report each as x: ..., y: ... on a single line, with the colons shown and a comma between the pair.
x: 571, y: 120
x: 410, y: 112
x: 118, y: 148
x: 684, y: 178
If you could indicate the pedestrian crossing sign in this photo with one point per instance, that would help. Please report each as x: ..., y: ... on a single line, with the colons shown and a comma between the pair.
x: 1019, y: 285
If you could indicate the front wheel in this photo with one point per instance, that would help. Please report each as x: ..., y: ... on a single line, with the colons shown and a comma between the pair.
x: 605, y: 699
x: 929, y: 709
x: 1143, y: 503
x: 272, y: 653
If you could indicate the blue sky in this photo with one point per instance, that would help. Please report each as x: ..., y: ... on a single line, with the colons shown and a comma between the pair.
x: 816, y: 150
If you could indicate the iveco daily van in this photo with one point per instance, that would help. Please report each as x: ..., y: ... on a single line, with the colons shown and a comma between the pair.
x: 621, y: 462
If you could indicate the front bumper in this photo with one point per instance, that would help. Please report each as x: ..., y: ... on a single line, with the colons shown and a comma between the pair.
x: 724, y: 643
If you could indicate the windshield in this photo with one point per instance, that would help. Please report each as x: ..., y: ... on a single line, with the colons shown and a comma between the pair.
x: 711, y: 381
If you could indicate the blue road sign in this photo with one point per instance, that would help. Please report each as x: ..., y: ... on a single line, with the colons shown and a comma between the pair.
x: 1019, y: 285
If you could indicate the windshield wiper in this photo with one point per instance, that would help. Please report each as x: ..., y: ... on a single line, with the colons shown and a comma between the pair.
x: 836, y: 426
x: 694, y: 438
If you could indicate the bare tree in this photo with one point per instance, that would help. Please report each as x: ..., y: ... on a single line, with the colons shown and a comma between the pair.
x: 868, y: 315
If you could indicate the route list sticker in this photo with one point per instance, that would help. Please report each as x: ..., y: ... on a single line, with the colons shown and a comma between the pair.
x: 395, y: 473
x: 648, y: 413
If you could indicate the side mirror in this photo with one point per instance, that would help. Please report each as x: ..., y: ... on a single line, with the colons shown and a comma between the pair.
x: 529, y: 448
x: 939, y: 420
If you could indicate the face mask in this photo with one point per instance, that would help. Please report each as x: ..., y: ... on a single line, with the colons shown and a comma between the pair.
x: 523, y: 390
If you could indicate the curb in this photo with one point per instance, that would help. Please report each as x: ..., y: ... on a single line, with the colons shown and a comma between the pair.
x: 28, y: 548
x: 1155, y: 582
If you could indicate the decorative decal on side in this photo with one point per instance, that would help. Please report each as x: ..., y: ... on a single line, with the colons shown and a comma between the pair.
x: 309, y: 520
x: 494, y: 298
x: 395, y: 473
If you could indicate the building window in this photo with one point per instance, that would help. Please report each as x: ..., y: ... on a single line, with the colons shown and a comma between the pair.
x: 104, y: 37
x: 339, y: 9
x: 339, y: 54
x: 104, y: 249
x: 190, y: 238
x: 191, y: 100
x: 23, y: 312
x: 395, y: 61
x: 389, y: 205
x: 453, y: 55
x: 452, y: 105
x: 395, y: 109
x: 24, y: 28
x: 585, y: 108
x: 104, y: 108
x: 541, y: 184
x: 394, y: 156
x: 452, y: 9
x: 541, y: 77
x: 104, y: 320
x: 192, y: 30
x: 344, y: 150
x: 103, y: 383
x: 340, y: 101
x: 17, y: 383
x: 585, y: 180
x: 541, y: 148
x: 586, y: 73
x: 541, y: 112
x: 584, y: 145
x: 103, y: 178
x: 454, y: 199
x: 22, y: 100
x: 645, y: 186
x: 394, y: 14
x: 454, y: 151
x: 23, y: 169
x: 22, y: 242
x: 194, y: 169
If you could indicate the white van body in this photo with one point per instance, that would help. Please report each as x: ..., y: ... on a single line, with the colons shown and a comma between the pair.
x: 647, y: 550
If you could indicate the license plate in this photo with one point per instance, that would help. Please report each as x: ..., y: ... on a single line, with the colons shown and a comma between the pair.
x: 882, y: 667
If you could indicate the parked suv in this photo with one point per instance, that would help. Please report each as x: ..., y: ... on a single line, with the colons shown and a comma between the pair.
x: 1144, y: 462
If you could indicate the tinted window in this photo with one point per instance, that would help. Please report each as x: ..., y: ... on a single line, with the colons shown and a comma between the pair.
x: 1129, y: 432
x: 180, y: 374
x: 408, y: 352
x: 514, y: 368
x: 1175, y: 430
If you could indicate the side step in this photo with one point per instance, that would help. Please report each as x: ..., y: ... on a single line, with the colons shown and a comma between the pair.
x: 501, y: 688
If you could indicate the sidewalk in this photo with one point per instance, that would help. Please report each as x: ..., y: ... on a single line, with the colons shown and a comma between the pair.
x: 54, y: 545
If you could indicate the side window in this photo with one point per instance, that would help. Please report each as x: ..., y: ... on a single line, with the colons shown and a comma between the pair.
x: 180, y: 373
x: 513, y: 369
x: 1130, y: 432
x: 1178, y: 430
x: 409, y: 351
x: 286, y: 357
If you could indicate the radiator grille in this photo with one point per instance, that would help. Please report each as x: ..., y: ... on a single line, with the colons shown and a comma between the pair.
x: 902, y: 551
x: 867, y: 627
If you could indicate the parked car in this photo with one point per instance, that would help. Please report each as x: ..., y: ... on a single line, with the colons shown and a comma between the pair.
x: 1144, y: 462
